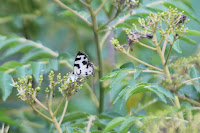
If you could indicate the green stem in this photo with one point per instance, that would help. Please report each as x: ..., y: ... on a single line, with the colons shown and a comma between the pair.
x: 162, y: 58
x: 100, y: 72
x: 85, y: 4
x: 71, y: 10
x: 188, y: 100
x: 168, y: 55
x: 42, y: 105
x: 190, y: 80
x: 100, y: 7
x: 178, y: 106
x: 165, y: 67
x: 147, y: 71
x: 40, y: 113
x: 136, y: 59
x: 59, y: 106
x: 108, y: 33
x: 56, y: 124
x: 65, y: 109
x: 144, y: 45
x: 110, y: 20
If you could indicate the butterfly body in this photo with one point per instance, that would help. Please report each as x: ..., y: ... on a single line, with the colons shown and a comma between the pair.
x: 82, y: 66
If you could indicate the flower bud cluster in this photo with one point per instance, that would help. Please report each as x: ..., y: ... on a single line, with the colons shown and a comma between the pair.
x: 166, y: 23
x: 181, y: 67
x: 25, y: 89
x: 125, y: 4
x: 68, y: 85
x: 135, y: 36
x: 175, y: 22
x: 174, y: 84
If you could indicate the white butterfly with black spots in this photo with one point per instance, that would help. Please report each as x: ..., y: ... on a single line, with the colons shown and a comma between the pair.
x: 82, y: 65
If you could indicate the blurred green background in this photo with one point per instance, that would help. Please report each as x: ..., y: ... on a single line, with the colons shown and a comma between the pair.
x: 46, y: 22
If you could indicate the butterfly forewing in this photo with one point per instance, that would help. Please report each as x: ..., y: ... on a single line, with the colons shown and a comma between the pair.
x: 82, y: 65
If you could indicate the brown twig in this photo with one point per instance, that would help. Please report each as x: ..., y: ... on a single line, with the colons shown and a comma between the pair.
x: 91, y: 118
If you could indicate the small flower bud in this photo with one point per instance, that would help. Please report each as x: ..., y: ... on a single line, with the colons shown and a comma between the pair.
x: 29, y: 85
x: 30, y: 77
x: 47, y: 90
x: 162, y: 14
x: 52, y: 72
x: 38, y: 89
x: 41, y: 76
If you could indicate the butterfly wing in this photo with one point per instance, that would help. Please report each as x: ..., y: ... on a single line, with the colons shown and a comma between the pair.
x: 82, y: 65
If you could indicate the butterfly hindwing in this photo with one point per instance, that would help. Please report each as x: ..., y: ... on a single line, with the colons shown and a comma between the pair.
x: 82, y: 65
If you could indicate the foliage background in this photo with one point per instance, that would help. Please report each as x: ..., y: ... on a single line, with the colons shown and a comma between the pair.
x: 46, y: 22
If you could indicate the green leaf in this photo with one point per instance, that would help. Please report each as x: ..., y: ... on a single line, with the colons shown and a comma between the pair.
x: 116, y: 90
x: 109, y: 75
x: 3, y: 69
x: 17, y: 48
x: 193, y: 32
x: 139, y: 88
x: 137, y: 73
x: 177, y: 47
x: 131, y: 20
x: 112, y: 124
x: 190, y: 41
x: 23, y: 71
x: 11, y: 64
x: 118, y: 78
x: 158, y: 93
x: 35, y: 53
x: 153, y: 9
x: 99, y: 124
x: 54, y: 64
x: 79, y: 125
x: 128, y: 65
x: 104, y: 116
x: 74, y: 116
x: 194, y: 74
x: 187, y: 3
x: 126, y: 124
x: 5, y: 85
x: 121, y: 94
x: 84, y: 14
x: 37, y: 69
x: 164, y: 91
x: 123, y: 25
x: 9, y: 121
x: 7, y: 42
x: 143, y: 87
x: 96, y: 131
x: 69, y: 130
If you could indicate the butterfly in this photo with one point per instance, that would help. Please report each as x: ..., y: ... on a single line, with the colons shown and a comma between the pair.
x: 82, y: 65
